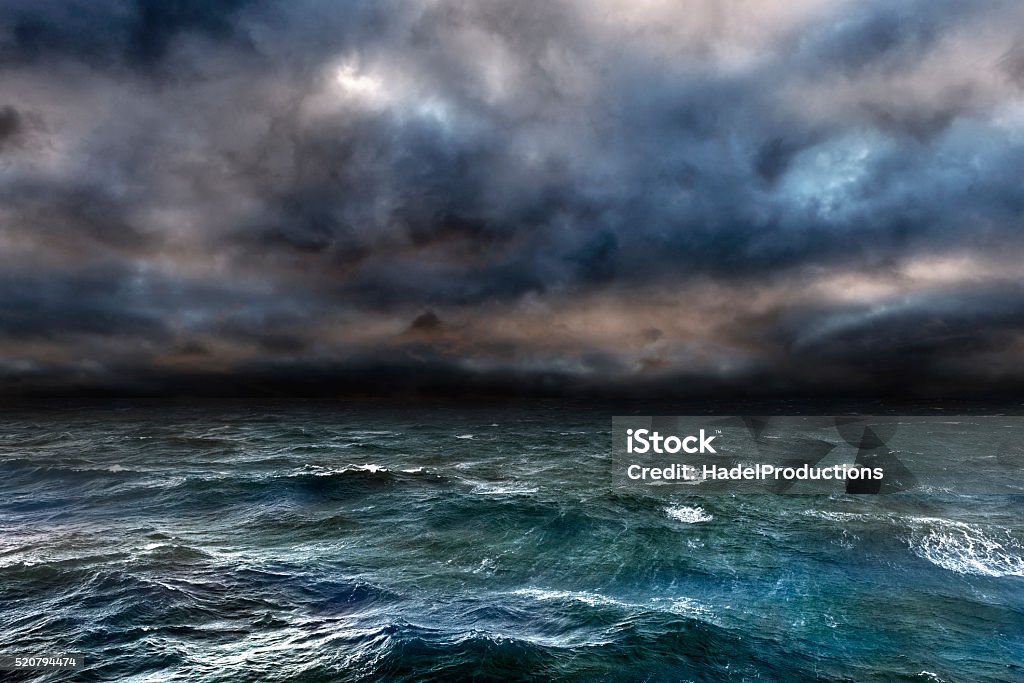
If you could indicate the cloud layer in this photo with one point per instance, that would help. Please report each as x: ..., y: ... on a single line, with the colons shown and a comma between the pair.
x: 579, y: 196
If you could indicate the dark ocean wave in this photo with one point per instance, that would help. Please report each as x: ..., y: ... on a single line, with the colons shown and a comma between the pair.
x: 283, y: 545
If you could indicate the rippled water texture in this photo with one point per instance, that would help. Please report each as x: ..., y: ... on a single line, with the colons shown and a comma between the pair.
x: 330, y: 542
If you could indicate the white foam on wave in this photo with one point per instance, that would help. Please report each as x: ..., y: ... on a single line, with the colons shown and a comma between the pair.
x: 965, y: 548
x: 841, y: 516
x: 968, y: 549
x: 117, y: 467
x: 586, y: 597
x: 463, y: 436
x: 680, y: 605
x: 321, y: 471
x: 503, y: 489
x: 488, y: 565
x: 688, y: 515
x: 369, y: 467
x: 687, y: 607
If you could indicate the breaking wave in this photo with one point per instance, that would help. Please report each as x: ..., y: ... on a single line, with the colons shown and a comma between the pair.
x: 967, y: 549
x: 688, y: 515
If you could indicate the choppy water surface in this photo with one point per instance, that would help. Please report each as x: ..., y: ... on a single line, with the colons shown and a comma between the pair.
x: 333, y: 542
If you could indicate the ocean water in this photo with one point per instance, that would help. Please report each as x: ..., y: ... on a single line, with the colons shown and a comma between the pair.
x: 341, y: 542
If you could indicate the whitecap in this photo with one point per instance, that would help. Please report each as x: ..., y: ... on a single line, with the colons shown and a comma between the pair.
x: 504, y: 489
x: 689, y: 607
x: 841, y: 516
x: 688, y: 515
x: 369, y: 467
x: 487, y: 565
x: 680, y: 605
x: 320, y: 471
x: 965, y: 548
x: 586, y: 597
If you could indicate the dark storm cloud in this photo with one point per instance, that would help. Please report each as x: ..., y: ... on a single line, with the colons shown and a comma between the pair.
x: 298, y: 182
x: 919, y: 340
x: 110, y: 32
x: 81, y: 213
x: 885, y: 34
x: 54, y: 306
x: 11, y: 125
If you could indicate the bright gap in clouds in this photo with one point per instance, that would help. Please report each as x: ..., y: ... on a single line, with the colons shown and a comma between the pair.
x: 356, y: 83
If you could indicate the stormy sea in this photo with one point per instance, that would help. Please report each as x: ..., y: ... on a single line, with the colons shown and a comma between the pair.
x: 317, y: 541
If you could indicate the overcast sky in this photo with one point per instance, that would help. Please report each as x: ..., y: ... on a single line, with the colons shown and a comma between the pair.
x: 529, y: 195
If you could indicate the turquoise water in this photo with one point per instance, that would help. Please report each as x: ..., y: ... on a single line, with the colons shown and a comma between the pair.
x: 235, y: 542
